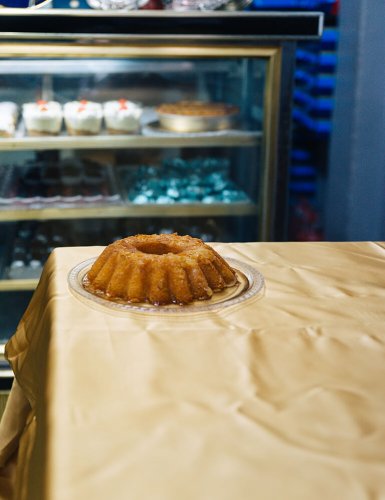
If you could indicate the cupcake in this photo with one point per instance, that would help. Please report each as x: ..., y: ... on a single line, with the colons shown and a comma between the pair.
x: 8, y: 118
x: 122, y: 117
x: 42, y: 117
x: 83, y: 117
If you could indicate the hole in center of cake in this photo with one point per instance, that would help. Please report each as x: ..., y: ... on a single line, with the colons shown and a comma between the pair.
x: 156, y: 248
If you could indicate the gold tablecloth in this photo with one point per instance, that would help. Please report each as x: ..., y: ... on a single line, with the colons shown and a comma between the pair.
x: 279, y: 397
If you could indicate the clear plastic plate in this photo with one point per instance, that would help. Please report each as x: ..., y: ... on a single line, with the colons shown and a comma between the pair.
x: 250, y: 283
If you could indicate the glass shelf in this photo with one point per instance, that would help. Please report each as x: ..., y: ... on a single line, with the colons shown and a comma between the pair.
x: 14, y: 285
x: 230, y: 138
x: 129, y: 210
x: 107, y: 67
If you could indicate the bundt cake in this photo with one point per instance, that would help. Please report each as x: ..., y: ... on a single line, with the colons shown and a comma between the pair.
x: 159, y: 269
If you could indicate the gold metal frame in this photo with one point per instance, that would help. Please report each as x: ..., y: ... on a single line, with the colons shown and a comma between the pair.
x: 269, y: 144
x: 130, y: 50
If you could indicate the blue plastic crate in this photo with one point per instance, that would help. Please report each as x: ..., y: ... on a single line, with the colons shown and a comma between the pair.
x: 315, y: 84
x: 303, y: 171
x: 303, y: 77
x: 327, y: 61
x: 300, y: 187
x: 304, y: 56
x: 300, y: 154
x: 329, y: 39
x: 316, y: 61
x: 321, y: 126
x: 324, y: 83
x: 293, y: 4
x: 316, y: 104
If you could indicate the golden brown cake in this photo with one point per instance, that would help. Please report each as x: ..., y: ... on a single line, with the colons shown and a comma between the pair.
x: 159, y: 269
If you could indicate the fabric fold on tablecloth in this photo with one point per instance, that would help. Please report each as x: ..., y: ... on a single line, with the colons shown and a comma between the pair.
x: 13, y: 424
x: 17, y: 427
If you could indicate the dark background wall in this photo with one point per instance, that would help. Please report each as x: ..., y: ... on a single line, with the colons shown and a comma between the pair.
x: 355, y: 187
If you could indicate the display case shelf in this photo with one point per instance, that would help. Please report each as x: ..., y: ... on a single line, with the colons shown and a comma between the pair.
x: 231, y: 138
x: 110, y: 66
x: 5, y: 372
x: 14, y: 285
x: 129, y: 210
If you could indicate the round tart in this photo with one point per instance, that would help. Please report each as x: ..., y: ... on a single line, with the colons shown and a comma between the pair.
x: 196, y: 116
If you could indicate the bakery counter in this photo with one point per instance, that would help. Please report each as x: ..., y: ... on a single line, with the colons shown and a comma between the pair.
x: 280, y: 395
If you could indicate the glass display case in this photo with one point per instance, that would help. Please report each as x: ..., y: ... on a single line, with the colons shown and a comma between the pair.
x: 213, y: 165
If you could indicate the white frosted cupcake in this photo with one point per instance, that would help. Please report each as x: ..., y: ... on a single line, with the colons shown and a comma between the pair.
x: 83, y: 117
x: 122, y: 117
x: 42, y: 117
x: 8, y: 118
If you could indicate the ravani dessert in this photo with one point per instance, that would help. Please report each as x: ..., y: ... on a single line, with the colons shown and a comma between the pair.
x: 196, y: 116
x: 83, y: 117
x: 42, y: 117
x: 159, y: 269
x: 122, y: 116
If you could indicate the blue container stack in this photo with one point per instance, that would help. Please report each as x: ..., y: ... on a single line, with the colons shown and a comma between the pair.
x: 315, y: 82
x: 313, y: 103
